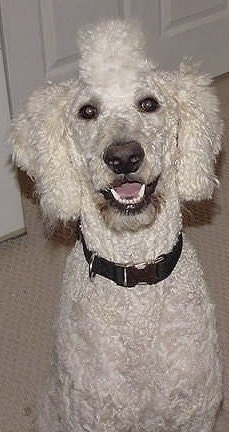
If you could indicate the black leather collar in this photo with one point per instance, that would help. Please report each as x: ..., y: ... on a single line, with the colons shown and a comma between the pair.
x: 131, y: 275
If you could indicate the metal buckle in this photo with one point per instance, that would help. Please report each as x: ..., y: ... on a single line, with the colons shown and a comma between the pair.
x: 128, y: 284
x: 142, y: 283
x: 141, y: 266
x: 125, y: 276
x: 159, y: 259
x: 92, y: 273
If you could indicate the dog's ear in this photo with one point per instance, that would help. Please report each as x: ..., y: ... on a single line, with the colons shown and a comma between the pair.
x: 199, y: 134
x: 41, y: 145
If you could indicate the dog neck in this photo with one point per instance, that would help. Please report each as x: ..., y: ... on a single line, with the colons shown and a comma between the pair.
x: 131, y: 275
x: 127, y: 247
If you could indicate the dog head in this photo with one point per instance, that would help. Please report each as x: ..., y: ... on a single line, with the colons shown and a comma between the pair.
x: 124, y: 137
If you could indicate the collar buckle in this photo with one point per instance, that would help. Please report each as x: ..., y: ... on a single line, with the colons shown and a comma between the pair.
x: 91, y: 269
x: 125, y: 282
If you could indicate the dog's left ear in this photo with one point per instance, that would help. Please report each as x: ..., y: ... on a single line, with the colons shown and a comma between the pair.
x: 199, y: 134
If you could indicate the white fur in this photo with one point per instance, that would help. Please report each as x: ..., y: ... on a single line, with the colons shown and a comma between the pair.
x: 146, y: 358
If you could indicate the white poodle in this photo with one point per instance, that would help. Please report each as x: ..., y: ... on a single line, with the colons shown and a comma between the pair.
x: 121, y: 147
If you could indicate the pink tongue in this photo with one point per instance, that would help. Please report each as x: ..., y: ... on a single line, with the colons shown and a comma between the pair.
x: 128, y: 190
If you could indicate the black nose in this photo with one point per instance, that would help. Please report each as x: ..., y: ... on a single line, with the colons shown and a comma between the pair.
x: 124, y: 157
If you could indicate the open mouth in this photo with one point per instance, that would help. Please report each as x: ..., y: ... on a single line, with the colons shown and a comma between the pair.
x: 130, y: 197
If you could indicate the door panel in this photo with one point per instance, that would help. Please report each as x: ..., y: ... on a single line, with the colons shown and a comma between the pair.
x: 11, y: 214
x: 179, y: 16
x: 60, y: 22
x: 21, y: 25
x: 182, y: 28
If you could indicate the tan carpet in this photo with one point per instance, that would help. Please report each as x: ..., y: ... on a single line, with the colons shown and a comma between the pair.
x: 30, y: 279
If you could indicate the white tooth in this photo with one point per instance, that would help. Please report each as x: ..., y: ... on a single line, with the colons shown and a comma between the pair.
x: 115, y: 195
x: 142, y: 191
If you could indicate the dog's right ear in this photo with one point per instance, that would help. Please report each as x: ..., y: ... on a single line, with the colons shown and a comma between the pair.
x: 199, y: 134
x: 42, y: 146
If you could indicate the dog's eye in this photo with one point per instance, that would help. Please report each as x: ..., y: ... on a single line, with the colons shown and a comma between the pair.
x: 88, y: 112
x: 148, y: 105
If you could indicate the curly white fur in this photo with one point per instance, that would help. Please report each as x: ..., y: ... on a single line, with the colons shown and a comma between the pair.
x: 144, y: 359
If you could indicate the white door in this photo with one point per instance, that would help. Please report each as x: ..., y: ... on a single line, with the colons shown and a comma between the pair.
x: 40, y: 35
x: 187, y: 28
x: 11, y: 215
